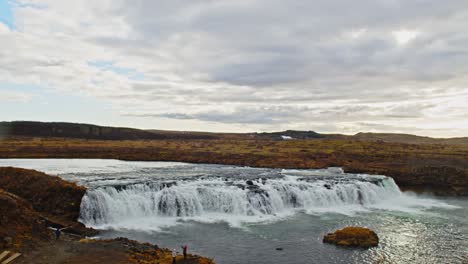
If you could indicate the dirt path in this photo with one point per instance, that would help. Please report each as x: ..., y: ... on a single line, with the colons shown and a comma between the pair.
x: 70, y: 250
x: 67, y: 250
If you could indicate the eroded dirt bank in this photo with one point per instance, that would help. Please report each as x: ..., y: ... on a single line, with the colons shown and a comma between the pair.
x: 31, y: 202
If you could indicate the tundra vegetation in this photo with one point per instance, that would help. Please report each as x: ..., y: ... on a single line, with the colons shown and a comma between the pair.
x: 439, y: 166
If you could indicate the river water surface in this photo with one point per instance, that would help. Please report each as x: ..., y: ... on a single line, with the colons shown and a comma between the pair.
x: 243, y: 215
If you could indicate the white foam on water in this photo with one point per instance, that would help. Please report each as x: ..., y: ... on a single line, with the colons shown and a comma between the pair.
x: 331, y: 171
x: 158, y: 205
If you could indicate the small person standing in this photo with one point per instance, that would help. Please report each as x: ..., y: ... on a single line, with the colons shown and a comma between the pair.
x: 57, y: 233
x: 174, y: 255
x: 184, y: 250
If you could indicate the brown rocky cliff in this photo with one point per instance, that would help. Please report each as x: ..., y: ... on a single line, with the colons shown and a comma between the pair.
x: 31, y: 201
x: 49, y: 195
x: 18, y: 221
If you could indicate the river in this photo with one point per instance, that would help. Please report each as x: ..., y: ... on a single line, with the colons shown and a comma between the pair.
x: 258, y: 215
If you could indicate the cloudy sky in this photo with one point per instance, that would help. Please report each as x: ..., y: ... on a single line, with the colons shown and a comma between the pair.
x: 238, y: 65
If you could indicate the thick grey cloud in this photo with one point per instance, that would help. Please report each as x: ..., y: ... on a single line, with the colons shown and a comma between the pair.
x: 261, y: 65
x: 275, y: 42
x: 271, y: 115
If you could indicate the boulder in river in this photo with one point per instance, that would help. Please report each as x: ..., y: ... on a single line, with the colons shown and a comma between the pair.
x: 353, y: 236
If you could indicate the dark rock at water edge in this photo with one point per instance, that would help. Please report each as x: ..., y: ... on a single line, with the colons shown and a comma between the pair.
x: 352, y: 236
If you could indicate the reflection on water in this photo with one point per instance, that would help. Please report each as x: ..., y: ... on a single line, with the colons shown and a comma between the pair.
x: 434, y: 237
x: 438, y: 236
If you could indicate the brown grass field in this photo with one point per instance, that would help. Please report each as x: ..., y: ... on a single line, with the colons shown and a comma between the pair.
x: 438, y: 168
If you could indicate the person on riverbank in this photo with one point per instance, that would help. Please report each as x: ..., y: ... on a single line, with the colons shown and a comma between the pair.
x: 174, y: 256
x: 57, y: 233
x: 184, y: 251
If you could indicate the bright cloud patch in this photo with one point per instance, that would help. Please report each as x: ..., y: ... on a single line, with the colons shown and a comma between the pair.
x: 404, y: 36
x: 357, y: 33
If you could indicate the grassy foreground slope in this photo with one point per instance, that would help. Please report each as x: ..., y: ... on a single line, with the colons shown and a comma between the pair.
x: 438, y: 168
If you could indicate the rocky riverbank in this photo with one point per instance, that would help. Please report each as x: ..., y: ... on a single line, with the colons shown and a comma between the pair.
x: 31, y: 202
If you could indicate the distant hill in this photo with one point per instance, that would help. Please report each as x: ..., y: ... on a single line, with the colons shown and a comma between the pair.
x: 189, y: 134
x: 72, y: 130
x: 407, y: 138
x: 372, y: 137
x: 291, y: 134
x: 88, y: 131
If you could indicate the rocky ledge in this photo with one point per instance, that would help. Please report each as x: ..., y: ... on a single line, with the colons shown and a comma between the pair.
x: 31, y: 202
x: 352, y: 236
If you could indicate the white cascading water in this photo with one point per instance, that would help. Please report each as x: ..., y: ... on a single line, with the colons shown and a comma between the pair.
x: 185, y: 199
x: 152, y: 195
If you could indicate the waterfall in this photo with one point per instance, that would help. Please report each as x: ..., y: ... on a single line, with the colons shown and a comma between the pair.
x: 231, y: 198
x: 154, y: 195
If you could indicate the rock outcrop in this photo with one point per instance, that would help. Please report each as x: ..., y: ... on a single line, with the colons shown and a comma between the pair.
x: 31, y: 202
x: 18, y: 222
x: 49, y: 195
x: 353, y: 236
